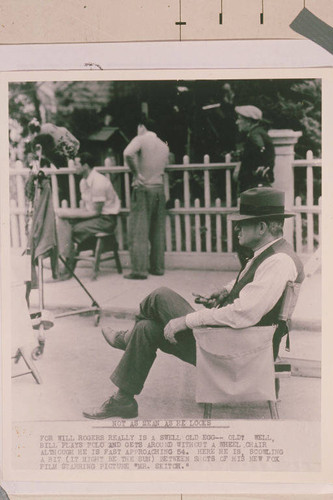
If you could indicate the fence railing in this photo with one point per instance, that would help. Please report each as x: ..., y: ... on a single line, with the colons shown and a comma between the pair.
x: 201, y: 199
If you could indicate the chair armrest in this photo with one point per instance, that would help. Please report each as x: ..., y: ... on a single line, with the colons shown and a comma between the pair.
x: 289, y: 300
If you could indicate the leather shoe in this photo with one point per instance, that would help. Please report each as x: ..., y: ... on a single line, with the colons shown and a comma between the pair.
x: 64, y: 275
x: 115, y: 338
x: 113, y: 408
x: 156, y: 273
x: 135, y: 276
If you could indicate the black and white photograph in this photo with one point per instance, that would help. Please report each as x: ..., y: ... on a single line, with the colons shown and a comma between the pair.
x: 165, y: 262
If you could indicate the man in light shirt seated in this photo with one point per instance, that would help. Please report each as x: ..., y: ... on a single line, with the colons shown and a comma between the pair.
x: 98, y: 214
x: 166, y: 319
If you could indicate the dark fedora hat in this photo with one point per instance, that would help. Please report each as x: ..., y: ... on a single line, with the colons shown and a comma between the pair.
x: 261, y: 202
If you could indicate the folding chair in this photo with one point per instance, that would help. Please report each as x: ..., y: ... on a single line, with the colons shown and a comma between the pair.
x: 237, y: 365
x: 21, y: 353
x: 23, y: 338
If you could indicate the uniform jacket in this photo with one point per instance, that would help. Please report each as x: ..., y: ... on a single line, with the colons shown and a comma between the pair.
x: 258, y: 152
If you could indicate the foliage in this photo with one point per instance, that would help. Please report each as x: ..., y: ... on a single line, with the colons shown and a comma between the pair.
x: 79, y: 106
x: 293, y: 104
x: 23, y: 106
x: 178, y: 107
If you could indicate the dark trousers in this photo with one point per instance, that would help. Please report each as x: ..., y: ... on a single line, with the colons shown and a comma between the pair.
x: 147, y: 226
x: 156, y: 310
x: 84, y: 229
x: 79, y: 230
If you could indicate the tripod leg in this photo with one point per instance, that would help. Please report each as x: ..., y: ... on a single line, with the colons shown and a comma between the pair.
x: 273, y: 410
x: 40, y: 284
x: 79, y: 281
x: 277, y: 387
x: 27, y: 292
x: 41, y: 335
x: 38, y: 351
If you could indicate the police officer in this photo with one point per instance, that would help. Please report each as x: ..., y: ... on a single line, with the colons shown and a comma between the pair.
x: 257, y: 158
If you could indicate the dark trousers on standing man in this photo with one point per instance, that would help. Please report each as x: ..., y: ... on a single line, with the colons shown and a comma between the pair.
x: 147, y: 226
x: 156, y: 310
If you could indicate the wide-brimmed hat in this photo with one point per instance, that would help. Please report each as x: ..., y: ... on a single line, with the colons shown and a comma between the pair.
x: 249, y: 112
x: 261, y: 202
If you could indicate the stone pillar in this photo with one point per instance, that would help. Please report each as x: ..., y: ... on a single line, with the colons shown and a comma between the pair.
x: 284, y: 142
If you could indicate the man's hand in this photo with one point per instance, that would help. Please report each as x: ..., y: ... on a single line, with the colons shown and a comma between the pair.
x: 138, y: 181
x: 98, y: 207
x: 215, y: 300
x: 262, y: 172
x: 208, y: 302
x: 174, y: 326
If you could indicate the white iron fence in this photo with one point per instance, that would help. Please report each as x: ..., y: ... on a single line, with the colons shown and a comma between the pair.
x: 201, y: 199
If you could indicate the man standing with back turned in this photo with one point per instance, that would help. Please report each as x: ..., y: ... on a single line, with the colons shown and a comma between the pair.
x: 166, y: 320
x: 147, y: 156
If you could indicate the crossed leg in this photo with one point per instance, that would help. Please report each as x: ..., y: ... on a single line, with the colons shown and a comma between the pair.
x: 147, y: 336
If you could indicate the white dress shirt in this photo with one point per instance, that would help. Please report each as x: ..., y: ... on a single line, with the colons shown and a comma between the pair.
x: 256, y: 298
x: 96, y: 188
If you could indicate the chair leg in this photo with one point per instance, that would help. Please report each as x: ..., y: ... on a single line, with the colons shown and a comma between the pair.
x: 98, y: 253
x: 207, y: 410
x: 117, y: 261
x: 274, y: 410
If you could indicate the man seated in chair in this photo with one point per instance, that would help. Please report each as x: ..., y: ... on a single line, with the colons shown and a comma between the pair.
x: 98, y: 214
x: 166, y: 320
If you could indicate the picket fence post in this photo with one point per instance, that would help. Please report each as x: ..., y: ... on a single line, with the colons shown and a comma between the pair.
x: 284, y: 143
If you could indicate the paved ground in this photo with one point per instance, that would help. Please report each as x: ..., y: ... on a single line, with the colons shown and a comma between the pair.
x: 75, y: 369
x: 121, y: 297
x: 77, y: 362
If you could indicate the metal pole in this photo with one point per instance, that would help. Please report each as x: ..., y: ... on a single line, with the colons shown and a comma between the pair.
x: 80, y: 282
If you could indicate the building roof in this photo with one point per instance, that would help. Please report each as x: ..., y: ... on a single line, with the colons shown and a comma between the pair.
x: 105, y: 133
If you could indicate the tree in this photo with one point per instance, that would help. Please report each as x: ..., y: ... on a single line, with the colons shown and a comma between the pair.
x: 294, y: 104
x: 178, y: 107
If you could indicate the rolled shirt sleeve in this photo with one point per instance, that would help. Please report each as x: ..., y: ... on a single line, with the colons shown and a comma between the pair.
x: 255, y: 300
x: 84, y: 190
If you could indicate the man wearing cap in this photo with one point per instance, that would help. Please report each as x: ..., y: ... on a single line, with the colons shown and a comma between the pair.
x: 166, y: 319
x: 257, y: 158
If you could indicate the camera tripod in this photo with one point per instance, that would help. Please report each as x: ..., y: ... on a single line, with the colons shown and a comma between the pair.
x: 40, y: 176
